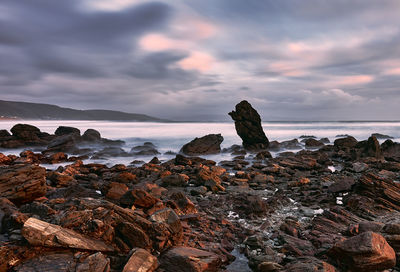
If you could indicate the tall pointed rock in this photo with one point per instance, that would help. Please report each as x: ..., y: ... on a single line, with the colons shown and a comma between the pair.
x: 248, y: 126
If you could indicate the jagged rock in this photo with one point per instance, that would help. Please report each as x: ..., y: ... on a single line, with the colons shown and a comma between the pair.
x: 368, y: 251
x: 133, y: 235
x: 391, y: 150
x: 185, y: 259
x: 309, y: 264
x: 169, y: 217
x: 22, y: 183
x: 62, y: 130
x: 139, y: 198
x: 141, y: 260
x: 40, y: 233
x: 248, y: 126
x: 209, y: 144
x: 370, y: 148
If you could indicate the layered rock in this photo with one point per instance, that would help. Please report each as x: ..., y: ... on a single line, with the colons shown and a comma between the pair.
x: 248, y: 126
x: 22, y: 183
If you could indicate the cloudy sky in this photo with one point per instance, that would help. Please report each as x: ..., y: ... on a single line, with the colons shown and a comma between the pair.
x: 195, y: 59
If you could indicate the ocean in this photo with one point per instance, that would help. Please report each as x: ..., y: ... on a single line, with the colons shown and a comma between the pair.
x: 172, y: 136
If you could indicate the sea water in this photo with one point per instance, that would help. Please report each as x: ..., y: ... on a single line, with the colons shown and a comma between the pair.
x: 172, y: 136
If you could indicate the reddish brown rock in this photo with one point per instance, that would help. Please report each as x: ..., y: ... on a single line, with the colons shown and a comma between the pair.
x: 188, y: 259
x: 22, y: 183
x: 141, y: 260
x: 368, y: 251
x: 116, y: 190
x: 139, y: 198
x: 40, y: 233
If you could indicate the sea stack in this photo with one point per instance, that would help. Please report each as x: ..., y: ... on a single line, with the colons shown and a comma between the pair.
x: 248, y: 126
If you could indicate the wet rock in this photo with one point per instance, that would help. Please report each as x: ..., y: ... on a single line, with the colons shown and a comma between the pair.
x: 65, y: 143
x: 313, y: 143
x: 110, y: 152
x: 22, y: 183
x: 62, y: 130
x: 248, y: 126
x: 391, y: 150
x: 4, y: 133
x: 209, y: 144
x: 155, y: 160
x: 263, y: 155
x: 381, y: 136
x: 185, y: 259
x: 40, y: 233
x: 144, y: 150
x: 368, y: 251
x: 347, y: 142
x: 370, y: 148
x: 91, y: 135
x: 5, y: 159
x: 178, y: 180
x: 309, y: 264
x: 141, y: 260
x: 94, y: 263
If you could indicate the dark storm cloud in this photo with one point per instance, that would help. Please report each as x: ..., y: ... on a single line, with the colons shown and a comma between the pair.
x: 293, y: 59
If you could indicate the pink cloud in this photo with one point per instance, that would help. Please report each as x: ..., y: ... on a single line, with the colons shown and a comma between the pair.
x: 288, y: 69
x: 159, y: 42
x: 392, y: 72
x: 353, y: 80
x: 197, y: 60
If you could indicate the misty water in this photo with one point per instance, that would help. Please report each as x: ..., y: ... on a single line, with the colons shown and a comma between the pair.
x: 171, y: 136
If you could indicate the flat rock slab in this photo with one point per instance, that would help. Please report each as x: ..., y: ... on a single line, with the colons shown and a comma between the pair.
x: 40, y: 233
x: 141, y: 260
x: 188, y: 259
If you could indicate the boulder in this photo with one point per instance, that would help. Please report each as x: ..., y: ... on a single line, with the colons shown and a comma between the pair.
x: 62, y: 130
x: 188, y: 259
x: 22, y: 183
x: 133, y: 235
x: 347, y: 142
x: 368, y: 251
x: 40, y: 233
x: 147, y: 149
x: 209, y: 144
x: 313, y: 143
x: 30, y: 135
x: 91, y: 135
x: 141, y: 260
x: 248, y: 126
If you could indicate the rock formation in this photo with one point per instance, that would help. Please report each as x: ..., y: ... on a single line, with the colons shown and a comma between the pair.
x: 248, y: 126
x: 209, y: 144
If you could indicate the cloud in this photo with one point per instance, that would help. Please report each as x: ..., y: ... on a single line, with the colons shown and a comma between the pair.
x: 177, y: 59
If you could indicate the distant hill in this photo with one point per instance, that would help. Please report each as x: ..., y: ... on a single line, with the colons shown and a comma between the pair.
x: 25, y: 110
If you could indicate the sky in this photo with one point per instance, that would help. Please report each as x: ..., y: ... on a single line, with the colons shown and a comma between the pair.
x: 196, y: 59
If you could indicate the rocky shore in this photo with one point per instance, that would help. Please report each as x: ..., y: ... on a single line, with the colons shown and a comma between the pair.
x: 329, y: 207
